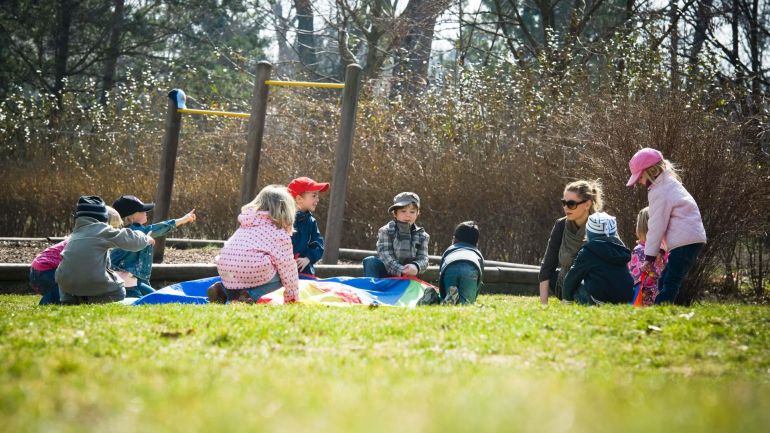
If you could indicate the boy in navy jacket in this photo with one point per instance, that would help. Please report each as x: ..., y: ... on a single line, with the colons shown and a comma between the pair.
x: 306, y: 238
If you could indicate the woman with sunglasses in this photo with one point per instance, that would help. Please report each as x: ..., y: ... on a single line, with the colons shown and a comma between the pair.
x: 579, y: 200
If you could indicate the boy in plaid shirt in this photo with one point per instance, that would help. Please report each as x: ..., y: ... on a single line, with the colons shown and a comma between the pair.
x: 402, y: 246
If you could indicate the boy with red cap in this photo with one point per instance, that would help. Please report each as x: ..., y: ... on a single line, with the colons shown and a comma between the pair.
x: 306, y: 239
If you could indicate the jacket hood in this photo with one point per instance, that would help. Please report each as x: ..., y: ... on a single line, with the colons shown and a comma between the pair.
x: 609, y: 249
x: 251, y: 217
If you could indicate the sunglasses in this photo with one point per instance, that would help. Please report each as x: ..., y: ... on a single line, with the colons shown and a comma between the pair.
x: 571, y: 204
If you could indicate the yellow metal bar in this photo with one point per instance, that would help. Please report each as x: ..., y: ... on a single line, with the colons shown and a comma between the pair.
x: 305, y: 84
x: 213, y: 113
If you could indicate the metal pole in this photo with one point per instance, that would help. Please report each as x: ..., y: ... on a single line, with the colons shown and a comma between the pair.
x: 342, y: 156
x: 256, y: 130
x: 167, y: 167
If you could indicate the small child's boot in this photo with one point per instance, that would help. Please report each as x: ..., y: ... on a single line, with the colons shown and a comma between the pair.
x: 429, y: 297
x: 452, y: 296
x: 216, y: 294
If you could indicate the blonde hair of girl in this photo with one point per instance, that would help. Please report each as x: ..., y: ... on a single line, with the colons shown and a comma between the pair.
x: 127, y: 220
x: 588, y: 190
x: 276, y: 201
x: 664, y: 165
x: 113, y: 218
x: 641, y: 224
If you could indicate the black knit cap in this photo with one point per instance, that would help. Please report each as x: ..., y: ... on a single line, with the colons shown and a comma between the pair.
x: 92, y: 206
x: 467, y: 232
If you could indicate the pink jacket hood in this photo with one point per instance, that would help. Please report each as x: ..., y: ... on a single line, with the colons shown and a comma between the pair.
x: 250, y: 217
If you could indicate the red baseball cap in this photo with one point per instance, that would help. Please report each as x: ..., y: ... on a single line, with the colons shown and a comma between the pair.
x: 302, y: 185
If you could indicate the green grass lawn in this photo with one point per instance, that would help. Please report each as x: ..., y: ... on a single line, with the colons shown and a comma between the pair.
x: 505, y: 364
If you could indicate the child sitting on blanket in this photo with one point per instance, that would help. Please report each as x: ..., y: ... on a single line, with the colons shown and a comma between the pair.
x: 258, y: 257
x: 135, y: 267
x: 306, y: 240
x: 461, y: 266
x: 43, y: 269
x: 402, y: 246
x: 83, y: 275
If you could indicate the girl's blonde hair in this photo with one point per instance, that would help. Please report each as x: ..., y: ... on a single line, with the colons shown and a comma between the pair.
x: 588, y: 190
x: 276, y: 200
x: 113, y: 218
x: 641, y: 224
x: 663, y: 165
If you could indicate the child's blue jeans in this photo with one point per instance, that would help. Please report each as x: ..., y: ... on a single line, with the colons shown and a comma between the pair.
x: 374, y: 268
x: 256, y: 292
x: 464, y: 276
x: 44, y: 283
x: 142, y: 288
x: 680, y: 261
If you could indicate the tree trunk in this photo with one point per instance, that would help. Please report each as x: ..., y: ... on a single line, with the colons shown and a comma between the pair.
x: 546, y: 14
x: 61, y: 48
x: 674, y: 49
x: 702, y: 22
x: 413, y: 51
x: 285, y: 54
x: 113, y: 51
x: 306, y: 41
x: 756, y: 58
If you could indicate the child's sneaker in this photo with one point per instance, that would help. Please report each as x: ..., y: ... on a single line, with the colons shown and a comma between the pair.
x: 429, y: 297
x: 452, y: 296
x: 216, y: 294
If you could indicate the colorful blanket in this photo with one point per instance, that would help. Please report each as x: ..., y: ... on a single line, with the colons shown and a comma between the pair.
x: 398, y: 292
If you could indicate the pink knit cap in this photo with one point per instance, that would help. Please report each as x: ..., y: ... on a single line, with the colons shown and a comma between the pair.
x: 643, y: 159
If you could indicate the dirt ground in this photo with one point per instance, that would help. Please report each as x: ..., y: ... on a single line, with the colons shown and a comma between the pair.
x: 25, y: 252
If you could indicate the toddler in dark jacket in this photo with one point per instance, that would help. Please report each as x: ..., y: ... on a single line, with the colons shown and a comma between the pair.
x: 462, y: 266
x: 599, y: 273
x: 306, y: 239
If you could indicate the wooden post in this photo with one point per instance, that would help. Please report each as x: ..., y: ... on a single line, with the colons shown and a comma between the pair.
x: 167, y: 167
x: 342, y: 157
x: 256, y: 130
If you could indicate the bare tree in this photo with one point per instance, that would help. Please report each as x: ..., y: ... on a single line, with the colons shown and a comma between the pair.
x: 402, y: 38
x: 413, y: 49
x: 113, y: 50
x: 306, y: 40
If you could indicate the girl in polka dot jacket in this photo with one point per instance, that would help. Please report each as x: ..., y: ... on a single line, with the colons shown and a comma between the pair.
x: 258, y: 257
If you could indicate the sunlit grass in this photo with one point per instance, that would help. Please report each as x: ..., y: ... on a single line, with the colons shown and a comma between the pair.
x: 504, y: 364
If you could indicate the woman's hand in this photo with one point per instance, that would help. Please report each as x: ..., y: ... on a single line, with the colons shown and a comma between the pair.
x: 544, y: 286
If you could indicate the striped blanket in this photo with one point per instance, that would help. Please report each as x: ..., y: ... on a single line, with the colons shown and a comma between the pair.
x: 397, y: 292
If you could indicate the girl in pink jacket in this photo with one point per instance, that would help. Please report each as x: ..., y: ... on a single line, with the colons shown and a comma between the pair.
x: 674, y: 219
x: 258, y: 257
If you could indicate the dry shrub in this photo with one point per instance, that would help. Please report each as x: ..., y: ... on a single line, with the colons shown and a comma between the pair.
x: 729, y: 186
